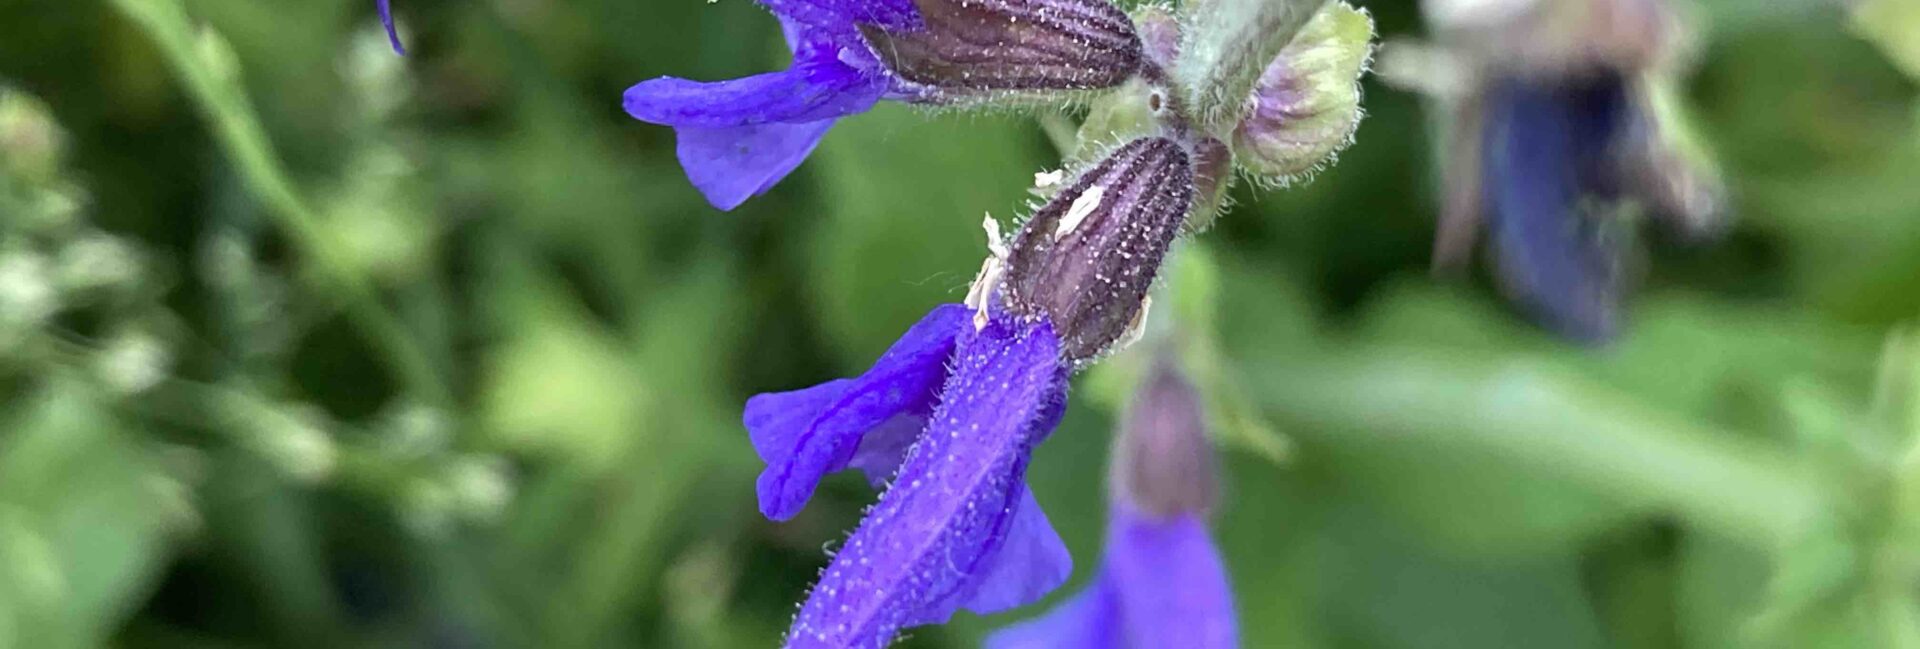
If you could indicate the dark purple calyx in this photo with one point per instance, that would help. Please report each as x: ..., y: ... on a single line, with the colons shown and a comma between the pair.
x: 1088, y: 257
x: 976, y: 46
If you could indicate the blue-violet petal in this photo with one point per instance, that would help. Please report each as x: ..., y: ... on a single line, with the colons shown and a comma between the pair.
x: 930, y: 544
x: 866, y: 422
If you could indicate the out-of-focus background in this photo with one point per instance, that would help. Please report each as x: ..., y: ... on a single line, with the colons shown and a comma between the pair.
x: 303, y: 344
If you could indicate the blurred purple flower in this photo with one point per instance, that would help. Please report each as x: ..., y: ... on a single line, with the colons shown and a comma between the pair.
x: 1547, y: 153
x: 1161, y: 583
x: 1561, y: 144
x: 958, y: 528
x: 386, y: 18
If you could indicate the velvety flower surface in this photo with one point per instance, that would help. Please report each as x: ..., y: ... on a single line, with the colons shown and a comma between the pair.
x: 737, y: 138
x: 1547, y: 160
x: 958, y: 527
x: 1161, y: 584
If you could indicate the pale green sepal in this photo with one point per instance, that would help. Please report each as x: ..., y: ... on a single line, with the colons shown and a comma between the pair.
x: 1307, y: 103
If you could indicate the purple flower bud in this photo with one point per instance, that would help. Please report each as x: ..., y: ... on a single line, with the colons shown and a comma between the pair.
x: 1088, y: 257
x: 1162, y: 461
x: 1306, y: 105
x: 972, y: 46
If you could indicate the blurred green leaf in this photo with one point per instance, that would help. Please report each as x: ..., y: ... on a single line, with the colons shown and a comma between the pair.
x: 897, y: 230
x: 1892, y: 25
x: 84, y: 521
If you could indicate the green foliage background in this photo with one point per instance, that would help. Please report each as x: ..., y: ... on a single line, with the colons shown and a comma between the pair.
x: 453, y: 356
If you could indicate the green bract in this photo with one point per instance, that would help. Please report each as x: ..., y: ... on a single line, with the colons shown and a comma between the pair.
x: 1307, y: 104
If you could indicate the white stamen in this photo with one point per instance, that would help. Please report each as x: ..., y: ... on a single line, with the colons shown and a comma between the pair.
x: 1136, y: 329
x: 1082, y: 206
x: 982, y: 290
x: 1047, y: 179
x: 996, y: 243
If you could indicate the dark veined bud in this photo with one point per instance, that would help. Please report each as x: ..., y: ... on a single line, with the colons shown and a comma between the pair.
x: 1088, y: 257
x: 978, y: 46
x: 1163, y: 463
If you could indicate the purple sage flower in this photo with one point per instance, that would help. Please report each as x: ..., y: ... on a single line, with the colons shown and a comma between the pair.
x: 1559, y: 144
x: 386, y: 18
x: 949, y: 417
x: 1545, y: 152
x: 1161, y: 583
x: 737, y: 138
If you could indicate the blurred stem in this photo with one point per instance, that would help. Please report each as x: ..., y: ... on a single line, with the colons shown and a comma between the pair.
x: 199, y: 63
x: 1529, y: 416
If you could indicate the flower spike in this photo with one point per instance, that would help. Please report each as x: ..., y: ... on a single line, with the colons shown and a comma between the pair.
x: 1562, y: 133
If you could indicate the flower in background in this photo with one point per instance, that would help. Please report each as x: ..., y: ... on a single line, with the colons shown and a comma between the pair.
x: 1563, y: 132
x: 1161, y: 583
x: 386, y: 18
x: 738, y: 138
x: 950, y: 415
